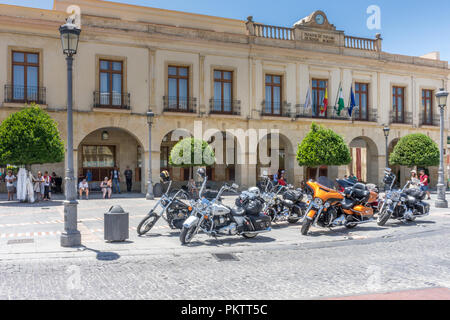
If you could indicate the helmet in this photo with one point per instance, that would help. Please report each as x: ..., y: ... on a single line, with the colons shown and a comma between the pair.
x: 255, y: 191
x: 201, y: 172
x: 165, y: 176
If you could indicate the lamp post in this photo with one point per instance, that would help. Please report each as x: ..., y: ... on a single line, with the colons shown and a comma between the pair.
x: 386, y: 131
x: 150, y: 118
x: 71, y: 237
x: 441, y: 98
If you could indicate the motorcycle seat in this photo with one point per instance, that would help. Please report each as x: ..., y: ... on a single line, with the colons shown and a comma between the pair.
x: 347, y: 204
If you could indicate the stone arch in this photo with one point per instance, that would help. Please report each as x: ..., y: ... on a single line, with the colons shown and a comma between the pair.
x: 365, y: 159
x: 102, y: 149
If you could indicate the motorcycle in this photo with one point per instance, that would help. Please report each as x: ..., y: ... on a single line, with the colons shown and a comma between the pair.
x: 405, y: 205
x: 216, y: 219
x: 373, y: 189
x: 330, y: 208
x: 284, y: 204
x: 173, y: 210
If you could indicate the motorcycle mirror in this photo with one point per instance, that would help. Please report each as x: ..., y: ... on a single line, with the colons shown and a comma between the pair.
x: 235, y: 186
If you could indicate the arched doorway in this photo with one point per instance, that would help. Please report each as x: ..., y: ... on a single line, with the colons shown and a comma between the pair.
x: 178, y: 175
x: 279, y: 147
x: 364, y: 164
x: 399, y: 171
x: 101, y: 150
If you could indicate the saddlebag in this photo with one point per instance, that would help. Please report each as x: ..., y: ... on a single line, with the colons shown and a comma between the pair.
x: 293, y: 195
x: 259, y: 222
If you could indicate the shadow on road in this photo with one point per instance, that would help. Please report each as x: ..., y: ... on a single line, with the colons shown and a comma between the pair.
x: 230, y: 241
x: 104, y: 256
x: 41, y: 204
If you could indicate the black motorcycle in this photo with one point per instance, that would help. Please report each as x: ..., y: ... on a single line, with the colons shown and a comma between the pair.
x: 406, y: 204
x: 216, y: 219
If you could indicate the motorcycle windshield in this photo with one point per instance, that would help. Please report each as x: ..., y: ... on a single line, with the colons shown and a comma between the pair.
x: 324, y: 181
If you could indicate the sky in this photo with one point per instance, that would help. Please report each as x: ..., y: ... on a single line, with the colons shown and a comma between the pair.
x: 407, y: 27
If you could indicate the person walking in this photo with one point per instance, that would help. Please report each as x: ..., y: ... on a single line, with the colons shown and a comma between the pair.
x: 10, y: 179
x: 129, y: 178
x: 39, y: 186
x: 106, y: 187
x: 424, y: 183
x: 115, y: 177
x: 47, y: 185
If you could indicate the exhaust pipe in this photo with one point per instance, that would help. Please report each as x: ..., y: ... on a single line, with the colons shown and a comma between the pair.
x: 258, y: 232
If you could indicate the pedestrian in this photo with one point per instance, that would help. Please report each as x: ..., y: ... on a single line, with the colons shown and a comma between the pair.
x: 39, y: 186
x: 106, y: 187
x: 10, y: 179
x: 47, y: 185
x: 83, y: 187
x: 115, y: 177
x: 192, y: 189
x: 129, y: 178
x: 424, y: 183
x: 415, y: 182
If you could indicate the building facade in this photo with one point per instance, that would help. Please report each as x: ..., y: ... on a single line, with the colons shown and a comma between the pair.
x: 221, y: 73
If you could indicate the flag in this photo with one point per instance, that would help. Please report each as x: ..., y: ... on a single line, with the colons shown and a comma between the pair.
x: 341, y: 104
x: 308, y: 102
x: 324, y: 107
x: 352, y: 103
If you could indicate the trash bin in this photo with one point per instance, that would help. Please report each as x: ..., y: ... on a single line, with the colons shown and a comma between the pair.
x: 116, y: 225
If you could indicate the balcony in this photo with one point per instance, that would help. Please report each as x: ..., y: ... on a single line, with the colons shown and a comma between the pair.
x: 435, y: 121
x: 407, y: 118
x: 107, y: 100
x: 26, y: 95
x: 302, y: 112
x: 285, y: 111
x: 180, y: 104
x: 225, y: 107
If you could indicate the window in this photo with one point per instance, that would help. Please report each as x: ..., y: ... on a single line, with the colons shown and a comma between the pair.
x: 25, y: 77
x: 427, y: 103
x: 111, y: 83
x: 319, y: 88
x: 362, y: 100
x: 223, y: 91
x: 398, y: 95
x: 273, y: 95
x: 178, y: 89
x: 99, y: 156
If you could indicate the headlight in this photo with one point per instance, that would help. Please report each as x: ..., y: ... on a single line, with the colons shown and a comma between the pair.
x: 327, y: 205
x: 318, y: 202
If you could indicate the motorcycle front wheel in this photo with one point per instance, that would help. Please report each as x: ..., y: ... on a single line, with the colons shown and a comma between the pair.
x: 383, y: 217
x: 187, y: 234
x: 147, y: 224
x: 249, y: 236
x: 306, y: 226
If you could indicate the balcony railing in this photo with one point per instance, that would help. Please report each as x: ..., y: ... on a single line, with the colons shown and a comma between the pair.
x: 435, y: 121
x: 180, y: 104
x: 283, y: 110
x: 405, y: 119
x: 273, y: 32
x: 302, y: 112
x: 23, y: 94
x: 360, y: 43
x: 112, y: 100
x: 230, y: 107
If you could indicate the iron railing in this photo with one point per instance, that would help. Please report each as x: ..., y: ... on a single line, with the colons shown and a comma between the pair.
x: 407, y: 118
x: 332, y: 113
x: 279, y: 109
x: 112, y: 100
x: 230, y: 107
x: 180, y: 104
x: 25, y: 94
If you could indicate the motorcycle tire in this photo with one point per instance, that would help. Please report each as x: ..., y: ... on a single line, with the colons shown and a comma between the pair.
x: 293, y: 220
x: 351, y: 225
x: 147, y: 224
x: 383, y: 218
x: 306, y: 226
x: 187, y: 234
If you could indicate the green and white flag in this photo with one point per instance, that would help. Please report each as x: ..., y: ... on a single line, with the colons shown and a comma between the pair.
x: 341, y: 104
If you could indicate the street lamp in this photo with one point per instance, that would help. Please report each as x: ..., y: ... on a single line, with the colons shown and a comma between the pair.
x: 386, y: 131
x: 71, y: 237
x: 441, y: 98
x: 150, y: 118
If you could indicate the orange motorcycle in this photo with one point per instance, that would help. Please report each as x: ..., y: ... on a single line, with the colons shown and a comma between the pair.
x: 330, y: 208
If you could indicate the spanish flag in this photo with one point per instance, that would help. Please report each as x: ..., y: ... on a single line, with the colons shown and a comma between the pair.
x: 324, y: 107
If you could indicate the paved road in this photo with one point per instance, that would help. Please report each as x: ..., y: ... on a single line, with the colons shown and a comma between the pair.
x: 305, y: 272
x: 278, y: 265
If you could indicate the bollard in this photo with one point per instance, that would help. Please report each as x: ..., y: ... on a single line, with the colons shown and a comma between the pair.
x: 116, y: 225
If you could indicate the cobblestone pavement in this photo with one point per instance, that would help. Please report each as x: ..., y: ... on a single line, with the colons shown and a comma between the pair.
x: 349, y: 268
x: 278, y: 265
